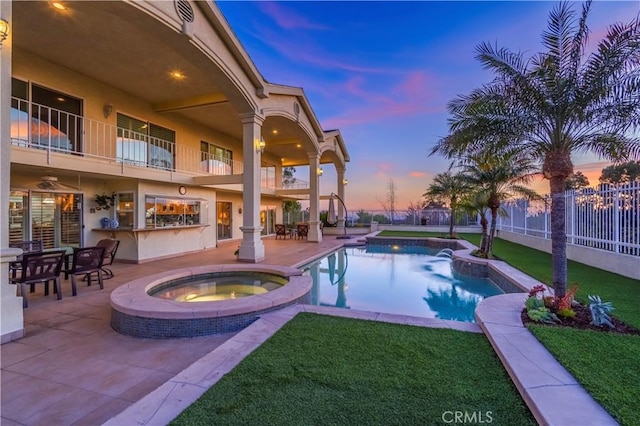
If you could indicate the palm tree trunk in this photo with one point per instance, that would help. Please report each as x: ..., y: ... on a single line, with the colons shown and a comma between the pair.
x: 494, y: 219
x: 451, y: 225
x: 558, y: 237
x: 484, y: 240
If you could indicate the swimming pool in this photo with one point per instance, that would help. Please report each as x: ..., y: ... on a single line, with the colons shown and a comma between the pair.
x: 407, y: 280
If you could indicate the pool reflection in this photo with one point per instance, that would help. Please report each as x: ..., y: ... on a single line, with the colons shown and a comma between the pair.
x: 408, y: 280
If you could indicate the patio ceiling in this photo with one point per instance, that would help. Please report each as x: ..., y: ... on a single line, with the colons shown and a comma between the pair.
x: 123, y: 47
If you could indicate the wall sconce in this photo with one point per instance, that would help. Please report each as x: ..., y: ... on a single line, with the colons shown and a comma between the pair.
x: 320, y: 171
x: 240, y: 210
x: 345, y: 181
x: 107, y: 110
x: 4, y: 30
x: 260, y: 145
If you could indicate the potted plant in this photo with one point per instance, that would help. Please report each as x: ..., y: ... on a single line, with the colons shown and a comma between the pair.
x: 105, y: 202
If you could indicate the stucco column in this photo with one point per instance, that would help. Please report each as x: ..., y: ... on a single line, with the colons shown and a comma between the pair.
x: 11, y: 316
x: 340, y: 186
x: 251, y: 247
x: 314, y: 198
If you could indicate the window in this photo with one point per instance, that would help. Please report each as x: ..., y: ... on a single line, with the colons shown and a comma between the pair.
x: 216, y: 160
x: 125, y: 209
x: 52, y: 119
x: 223, y: 212
x: 163, y: 212
x: 145, y: 144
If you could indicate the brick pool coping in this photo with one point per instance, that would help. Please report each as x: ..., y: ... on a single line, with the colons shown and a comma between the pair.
x: 551, y: 393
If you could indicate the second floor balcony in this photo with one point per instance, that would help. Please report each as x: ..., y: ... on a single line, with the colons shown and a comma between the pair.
x: 54, y: 131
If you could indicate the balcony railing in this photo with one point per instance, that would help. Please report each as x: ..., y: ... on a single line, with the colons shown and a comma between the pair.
x: 40, y: 127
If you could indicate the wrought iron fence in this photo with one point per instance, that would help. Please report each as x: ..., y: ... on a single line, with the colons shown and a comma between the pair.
x: 606, y: 217
x: 427, y: 217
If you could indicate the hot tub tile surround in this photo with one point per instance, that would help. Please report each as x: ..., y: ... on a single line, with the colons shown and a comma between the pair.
x: 135, y: 313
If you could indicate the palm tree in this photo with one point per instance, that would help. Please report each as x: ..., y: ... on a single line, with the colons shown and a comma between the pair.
x: 556, y: 104
x: 498, y: 176
x: 476, y: 203
x: 449, y: 188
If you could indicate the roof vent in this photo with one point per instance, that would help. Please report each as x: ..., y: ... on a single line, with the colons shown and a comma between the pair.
x: 185, y: 11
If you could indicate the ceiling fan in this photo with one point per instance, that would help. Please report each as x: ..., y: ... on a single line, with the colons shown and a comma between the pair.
x: 50, y: 183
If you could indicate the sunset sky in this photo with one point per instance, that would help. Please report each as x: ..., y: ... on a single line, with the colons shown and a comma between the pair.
x: 383, y: 72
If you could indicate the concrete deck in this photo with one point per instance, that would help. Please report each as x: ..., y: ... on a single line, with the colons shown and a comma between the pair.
x: 71, y: 368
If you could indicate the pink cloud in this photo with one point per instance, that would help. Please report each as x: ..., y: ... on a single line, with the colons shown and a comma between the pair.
x: 417, y: 174
x: 415, y: 93
x: 287, y: 19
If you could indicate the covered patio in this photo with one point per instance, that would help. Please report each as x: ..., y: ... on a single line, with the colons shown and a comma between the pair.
x: 72, y: 368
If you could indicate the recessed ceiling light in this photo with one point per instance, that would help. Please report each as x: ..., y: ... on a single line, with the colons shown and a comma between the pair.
x: 274, y: 131
x: 177, y: 75
x: 58, y: 5
x: 298, y: 145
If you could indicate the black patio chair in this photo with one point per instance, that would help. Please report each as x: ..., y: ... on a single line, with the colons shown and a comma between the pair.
x: 303, y: 230
x: 38, y: 268
x: 32, y: 246
x: 110, y: 250
x: 281, y: 231
x: 85, y: 261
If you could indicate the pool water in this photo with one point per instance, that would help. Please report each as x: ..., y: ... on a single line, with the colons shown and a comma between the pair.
x: 407, y: 280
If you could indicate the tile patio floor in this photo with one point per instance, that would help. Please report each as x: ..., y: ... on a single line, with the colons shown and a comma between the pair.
x: 71, y: 368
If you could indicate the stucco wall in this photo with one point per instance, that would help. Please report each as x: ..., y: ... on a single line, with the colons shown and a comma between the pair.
x: 629, y: 266
x: 95, y: 95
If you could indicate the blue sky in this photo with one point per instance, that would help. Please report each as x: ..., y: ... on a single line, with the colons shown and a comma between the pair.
x: 383, y: 72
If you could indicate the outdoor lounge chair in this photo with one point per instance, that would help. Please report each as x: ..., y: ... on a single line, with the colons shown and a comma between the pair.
x: 40, y: 268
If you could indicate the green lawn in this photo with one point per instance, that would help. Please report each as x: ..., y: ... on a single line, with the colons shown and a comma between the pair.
x: 623, y: 292
x: 607, y: 365
x: 326, y: 370
x: 412, y: 234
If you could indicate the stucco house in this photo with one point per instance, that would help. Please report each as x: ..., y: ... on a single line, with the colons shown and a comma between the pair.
x: 147, y: 122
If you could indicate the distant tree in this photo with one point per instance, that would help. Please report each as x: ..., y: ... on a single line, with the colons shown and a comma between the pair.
x: 380, y: 218
x: 576, y: 181
x: 448, y: 188
x: 287, y: 177
x: 477, y: 202
x: 432, y: 204
x: 414, y: 210
x: 292, y: 208
x: 498, y: 175
x: 363, y: 216
x: 621, y: 173
x: 389, y: 203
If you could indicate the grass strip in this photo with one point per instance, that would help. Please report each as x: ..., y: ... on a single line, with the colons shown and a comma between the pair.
x: 326, y: 370
x: 411, y: 234
x: 605, y: 364
x: 623, y: 292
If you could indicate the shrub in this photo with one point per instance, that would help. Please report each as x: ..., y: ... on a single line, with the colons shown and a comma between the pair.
x: 599, y: 312
x: 542, y: 314
x: 566, y: 313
